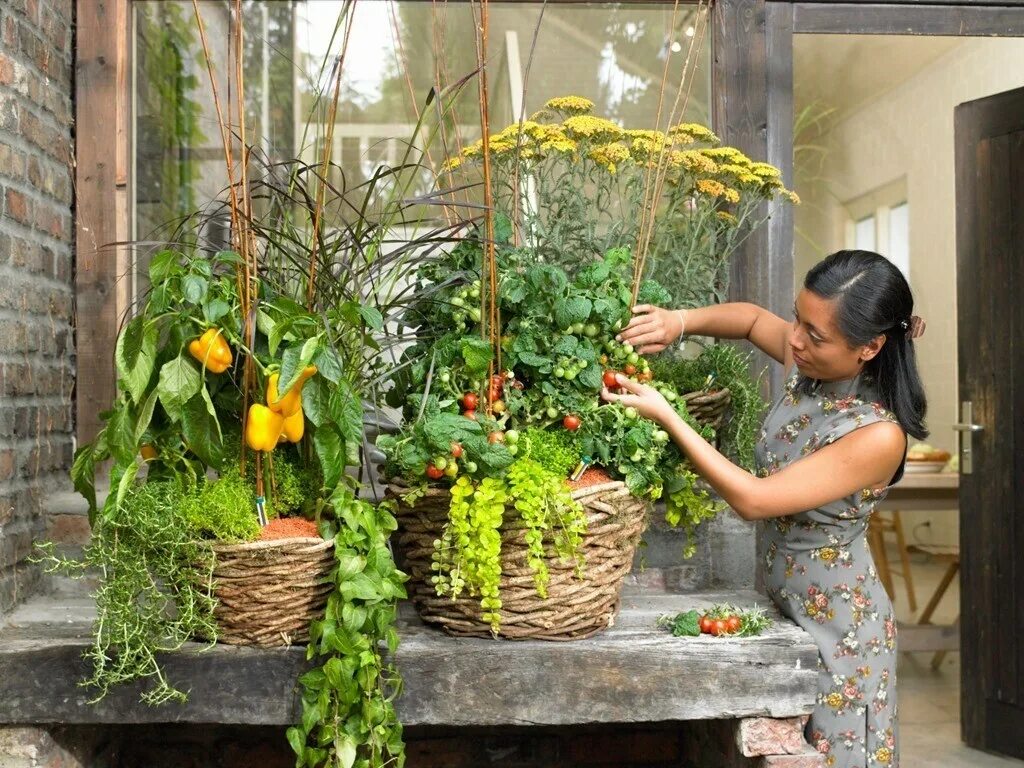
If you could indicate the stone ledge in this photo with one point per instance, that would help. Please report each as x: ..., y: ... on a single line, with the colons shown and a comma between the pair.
x: 633, y: 673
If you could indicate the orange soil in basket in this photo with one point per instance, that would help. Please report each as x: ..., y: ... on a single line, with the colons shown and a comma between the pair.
x: 289, y: 528
x: 592, y: 476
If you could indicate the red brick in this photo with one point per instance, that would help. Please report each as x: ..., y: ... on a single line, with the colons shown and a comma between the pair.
x: 6, y: 464
x: 18, y: 207
x: 6, y: 70
x: 10, y: 32
x: 767, y: 736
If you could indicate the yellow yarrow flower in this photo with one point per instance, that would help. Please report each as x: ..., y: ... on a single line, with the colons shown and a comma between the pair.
x: 590, y: 127
x: 792, y: 196
x: 451, y: 164
x: 609, y: 155
x: 728, y: 154
x: 765, y: 170
x: 694, y: 161
x: 576, y: 105
x: 727, y: 217
x: 697, y: 131
x: 559, y: 144
x: 731, y: 195
x: 474, y: 149
x: 710, y: 187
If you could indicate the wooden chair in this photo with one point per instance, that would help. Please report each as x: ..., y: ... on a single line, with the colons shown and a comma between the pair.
x: 944, y: 554
x: 878, y: 526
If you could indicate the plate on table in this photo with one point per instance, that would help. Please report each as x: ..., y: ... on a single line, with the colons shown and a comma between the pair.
x: 914, y: 467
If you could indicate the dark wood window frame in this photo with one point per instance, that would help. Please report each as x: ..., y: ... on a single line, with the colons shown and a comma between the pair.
x: 752, y: 97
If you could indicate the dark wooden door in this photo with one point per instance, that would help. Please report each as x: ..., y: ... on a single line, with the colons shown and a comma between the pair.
x: 990, y: 281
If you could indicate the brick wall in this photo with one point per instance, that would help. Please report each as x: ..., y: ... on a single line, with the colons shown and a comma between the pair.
x: 36, y: 275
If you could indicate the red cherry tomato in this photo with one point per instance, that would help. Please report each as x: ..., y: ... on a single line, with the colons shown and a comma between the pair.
x: 496, y: 437
x: 733, y: 624
x: 706, y: 625
x: 610, y: 380
x: 456, y: 450
x: 469, y: 401
x: 571, y: 422
x: 629, y: 369
x: 719, y: 627
x: 434, y: 473
x: 470, y: 415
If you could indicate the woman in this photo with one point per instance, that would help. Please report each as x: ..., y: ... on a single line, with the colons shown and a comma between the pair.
x: 829, y: 448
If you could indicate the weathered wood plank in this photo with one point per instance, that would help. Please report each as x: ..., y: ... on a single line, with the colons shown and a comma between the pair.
x: 630, y: 674
x: 854, y: 18
x: 95, y: 176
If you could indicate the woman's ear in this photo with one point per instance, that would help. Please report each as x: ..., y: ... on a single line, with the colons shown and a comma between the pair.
x: 872, y: 348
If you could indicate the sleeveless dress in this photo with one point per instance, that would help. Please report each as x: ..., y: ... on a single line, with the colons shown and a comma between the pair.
x: 819, y: 571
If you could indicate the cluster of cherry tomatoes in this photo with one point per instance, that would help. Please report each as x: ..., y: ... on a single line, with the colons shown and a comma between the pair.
x: 717, y: 626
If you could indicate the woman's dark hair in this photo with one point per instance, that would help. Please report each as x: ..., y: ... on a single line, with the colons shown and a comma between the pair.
x: 873, y: 298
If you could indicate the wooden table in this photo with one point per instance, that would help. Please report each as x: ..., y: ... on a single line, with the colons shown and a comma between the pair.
x: 916, y: 492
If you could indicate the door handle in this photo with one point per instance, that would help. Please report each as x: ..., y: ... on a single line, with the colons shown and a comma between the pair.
x: 967, y: 428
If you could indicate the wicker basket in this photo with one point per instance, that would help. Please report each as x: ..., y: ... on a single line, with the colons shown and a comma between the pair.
x: 268, y: 592
x: 709, y: 408
x: 575, y: 607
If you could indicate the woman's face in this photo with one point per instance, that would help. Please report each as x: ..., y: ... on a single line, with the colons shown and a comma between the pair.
x: 819, y: 349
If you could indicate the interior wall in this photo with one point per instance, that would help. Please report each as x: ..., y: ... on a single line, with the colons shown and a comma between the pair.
x: 906, y: 133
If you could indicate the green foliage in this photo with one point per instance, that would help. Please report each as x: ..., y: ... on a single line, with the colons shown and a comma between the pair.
x: 348, y: 711
x: 222, y: 509
x: 688, y: 503
x: 155, y: 591
x: 685, y: 624
x: 557, y: 451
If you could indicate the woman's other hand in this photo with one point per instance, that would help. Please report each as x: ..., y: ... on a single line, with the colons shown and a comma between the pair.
x: 652, y: 328
x: 648, y: 401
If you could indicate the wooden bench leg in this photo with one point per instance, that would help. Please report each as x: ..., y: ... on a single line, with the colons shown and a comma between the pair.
x: 947, y: 579
x: 940, y: 655
x: 904, y: 560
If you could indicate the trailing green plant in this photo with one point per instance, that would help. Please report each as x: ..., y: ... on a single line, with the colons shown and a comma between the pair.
x: 348, y: 712
x: 545, y: 505
x: 154, y: 595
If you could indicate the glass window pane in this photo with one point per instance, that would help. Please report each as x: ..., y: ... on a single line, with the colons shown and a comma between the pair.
x: 899, y: 238
x: 864, y: 234
x: 612, y: 54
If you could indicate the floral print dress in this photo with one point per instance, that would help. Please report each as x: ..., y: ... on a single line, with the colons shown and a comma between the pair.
x: 819, y: 571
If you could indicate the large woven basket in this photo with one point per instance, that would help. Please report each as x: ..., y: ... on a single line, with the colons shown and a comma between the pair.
x: 709, y: 407
x: 575, y: 607
x: 268, y: 592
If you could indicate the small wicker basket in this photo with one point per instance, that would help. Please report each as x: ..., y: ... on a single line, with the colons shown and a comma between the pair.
x: 268, y: 592
x: 575, y: 607
x: 709, y: 408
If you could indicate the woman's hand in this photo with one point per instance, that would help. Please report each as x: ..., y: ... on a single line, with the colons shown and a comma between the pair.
x: 652, y: 328
x: 648, y: 401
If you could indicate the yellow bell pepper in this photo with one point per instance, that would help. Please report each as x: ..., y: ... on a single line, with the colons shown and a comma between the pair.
x: 148, y: 452
x: 291, y: 401
x: 294, y: 426
x: 212, y: 350
x: 263, y: 428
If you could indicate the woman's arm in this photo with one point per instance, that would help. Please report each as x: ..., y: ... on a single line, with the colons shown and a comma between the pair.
x: 866, y: 458
x: 653, y: 328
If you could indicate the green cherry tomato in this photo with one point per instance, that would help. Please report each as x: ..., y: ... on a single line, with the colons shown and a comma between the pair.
x: 471, y: 467
x: 627, y: 348
x: 552, y: 412
x: 511, y: 437
x: 637, y: 456
x: 590, y: 330
x: 474, y: 314
x: 631, y: 413
x: 660, y: 436
x: 445, y: 377
x: 458, y: 301
x: 577, y: 328
x: 441, y: 462
x: 671, y: 396
x: 633, y: 357
x: 512, y: 449
x: 475, y: 293
x: 452, y: 470
x: 559, y: 372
